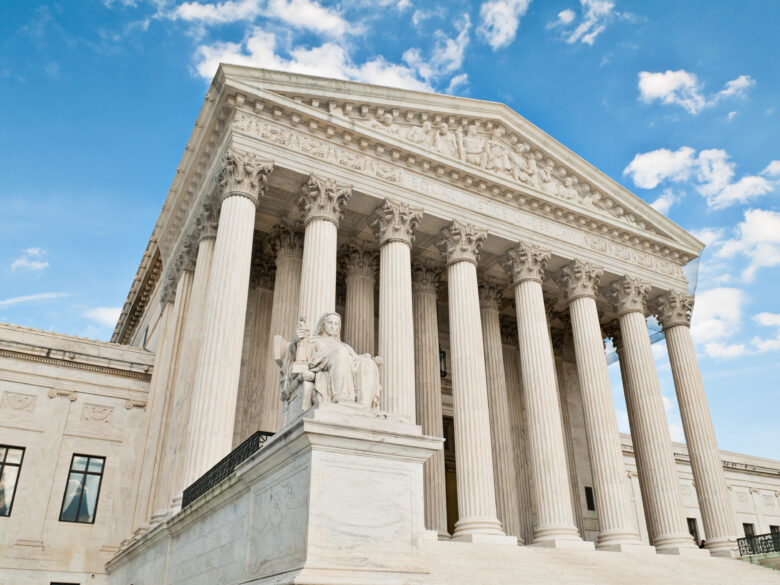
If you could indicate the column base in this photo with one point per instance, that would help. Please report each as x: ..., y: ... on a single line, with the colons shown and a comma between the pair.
x: 564, y: 543
x: 628, y: 547
x: 678, y: 545
x: 722, y: 548
x: 621, y: 541
x: 478, y: 538
x: 468, y: 527
x: 444, y: 535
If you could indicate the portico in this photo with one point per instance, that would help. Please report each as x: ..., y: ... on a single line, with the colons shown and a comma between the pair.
x: 426, y: 241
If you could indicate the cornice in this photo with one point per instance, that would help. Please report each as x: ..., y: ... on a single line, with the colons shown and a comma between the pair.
x: 149, y: 272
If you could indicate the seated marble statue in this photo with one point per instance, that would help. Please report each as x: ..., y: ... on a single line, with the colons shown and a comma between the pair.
x: 338, y: 373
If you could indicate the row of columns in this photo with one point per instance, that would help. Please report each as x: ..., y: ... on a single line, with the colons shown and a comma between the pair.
x: 485, y: 414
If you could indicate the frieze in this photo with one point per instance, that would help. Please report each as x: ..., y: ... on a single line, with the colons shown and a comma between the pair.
x: 368, y: 165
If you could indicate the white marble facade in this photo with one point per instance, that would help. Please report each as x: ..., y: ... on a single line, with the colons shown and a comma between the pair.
x: 444, y: 232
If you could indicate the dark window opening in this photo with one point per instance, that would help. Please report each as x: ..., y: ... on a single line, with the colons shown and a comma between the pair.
x: 79, y: 503
x: 589, y: 501
x: 693, y: 529
x: 750, y: 529
x: 442, y: 363
x: 10, y: 467
x: 774, y: 529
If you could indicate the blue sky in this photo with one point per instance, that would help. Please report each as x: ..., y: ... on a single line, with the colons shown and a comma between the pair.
x: 678, y: 101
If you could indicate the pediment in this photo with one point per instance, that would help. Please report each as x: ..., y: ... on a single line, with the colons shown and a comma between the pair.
x: 480, y: 144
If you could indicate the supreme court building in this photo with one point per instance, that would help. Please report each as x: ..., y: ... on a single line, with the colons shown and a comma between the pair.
x: 483, y: 262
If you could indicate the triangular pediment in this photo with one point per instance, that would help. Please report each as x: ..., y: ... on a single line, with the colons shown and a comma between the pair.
x: 482, y: 143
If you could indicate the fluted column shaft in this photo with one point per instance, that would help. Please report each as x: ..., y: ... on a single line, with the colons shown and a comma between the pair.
x: 580, y: 280
x: 714, y: 501
x: 525, y: 264
x: 161, y: 487
x: 322, y: 203
x: 474, y: 473
x: 516, y: 417
x: 287, y: 244
x: 395, y: 226
x: 427, y: 375
x: 658, y: 479
x: 318, y: 270
x: 215, y: 387
x: 190, y: 346
x: 498, y: 405
x: 358, y: 263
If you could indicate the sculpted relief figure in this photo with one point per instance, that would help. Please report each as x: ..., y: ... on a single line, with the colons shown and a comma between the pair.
x: 325, y: 368
x: 473, y: 146
x: 496, y: 154
x: 422, y: 135
x: 385, y: 124
x: 445, y: 141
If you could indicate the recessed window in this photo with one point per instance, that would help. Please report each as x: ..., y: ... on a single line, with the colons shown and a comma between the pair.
x: 79, y: 503
x: 774, y: 529
x: 10, y: 466
x: 693, y: 529
x: 589, y: 501
x: 750, y: 529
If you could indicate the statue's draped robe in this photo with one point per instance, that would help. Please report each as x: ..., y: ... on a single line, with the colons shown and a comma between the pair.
x: 345, y: 375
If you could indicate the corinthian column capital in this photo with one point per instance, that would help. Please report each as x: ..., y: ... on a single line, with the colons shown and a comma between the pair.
x: 396, y: 222
x: 323, y: 199
x: 461, y: 242
x: 580, y: 279
x: 243, y: 174
x: 525, y: 262
x: 358, y: 259
x: 426, y: 278
x: 491, y: 293
x: 674, y: 308
x: 629, y: 295
x: 287, y: 240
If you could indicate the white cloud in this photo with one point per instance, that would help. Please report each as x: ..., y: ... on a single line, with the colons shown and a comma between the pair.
x: 731, y: 115
x: 684, y: 89
x: 104, y: 315
x: 566, y: 17
x: 499, y: 21
x: 720, y: 350
x: 758, y: 240
x: 708, y: 236
x: 456, y: 82
x: 447, y: 54
x: 664, y: 201
x: 649, y: 169
x: 768, y: 319
x: 31, y: 260
x: 712, y: 170
x: 329, y: 60
x: 596, y: 14
x: 31, y: 298
x: 772, y: 169
x: 716, y: 315
x: 306, y: 14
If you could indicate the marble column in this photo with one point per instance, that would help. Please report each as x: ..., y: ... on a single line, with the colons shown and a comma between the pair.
x: 516, y: 407
x: 674, y: 314
x: 616, y: 532
x: 287, y: 245
x: 242, y: 181
x: 395, y: 225
x: 525, y: 265
x: 427, y: 377
x: 358, y: 262
x: 205, y: 233
x: 649, y: 429
x: 322, y: 203
x: 490, y: 297
x: 254, y: 360
x: 477, y: 516
x: 160, y: 489
x: 158, y: 396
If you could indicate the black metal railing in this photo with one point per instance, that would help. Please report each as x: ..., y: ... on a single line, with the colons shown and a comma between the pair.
x: 759, y: 544
x: 224, y: 468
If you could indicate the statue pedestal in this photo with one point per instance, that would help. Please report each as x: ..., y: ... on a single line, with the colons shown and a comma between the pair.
x: 336, y: 497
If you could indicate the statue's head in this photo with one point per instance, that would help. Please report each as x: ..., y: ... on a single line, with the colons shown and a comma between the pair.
x: 329, y: 325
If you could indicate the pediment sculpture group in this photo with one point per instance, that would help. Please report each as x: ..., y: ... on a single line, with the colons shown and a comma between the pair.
x: 318, y: 367
x: 491, y: 153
